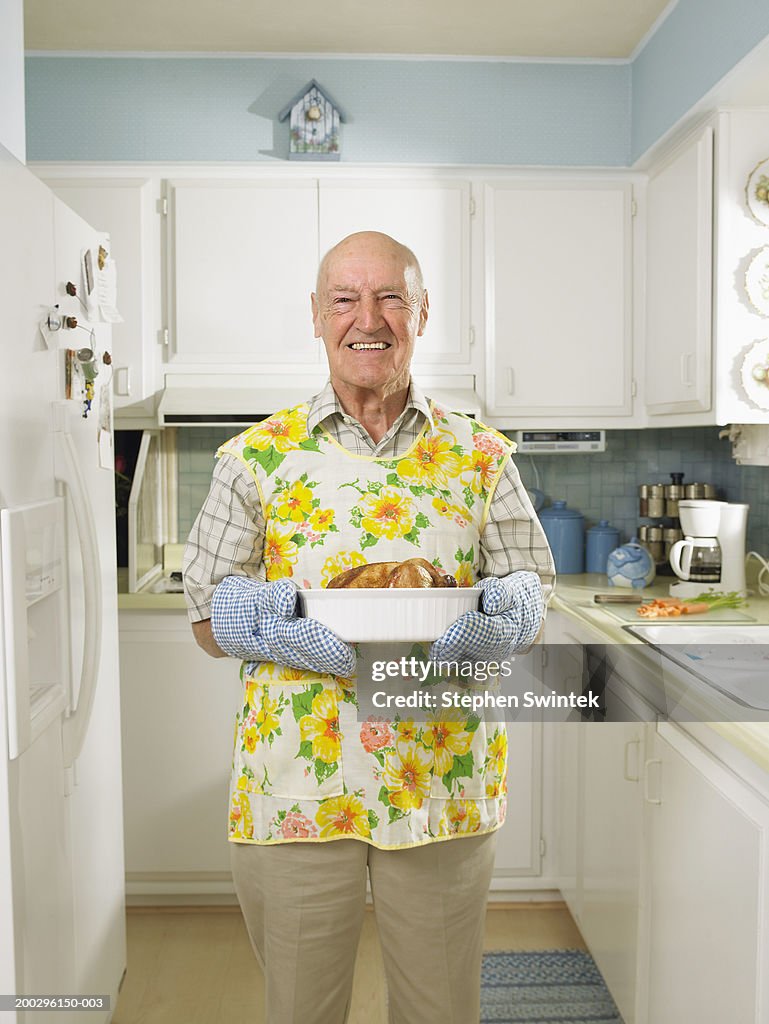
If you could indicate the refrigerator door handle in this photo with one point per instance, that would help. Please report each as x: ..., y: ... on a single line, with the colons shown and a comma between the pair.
x: 75, y: 726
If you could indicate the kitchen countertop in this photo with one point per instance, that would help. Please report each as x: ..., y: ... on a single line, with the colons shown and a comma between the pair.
x: 574, y: 597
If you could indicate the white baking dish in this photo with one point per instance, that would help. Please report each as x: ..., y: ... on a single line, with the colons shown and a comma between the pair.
x: 393, y: 614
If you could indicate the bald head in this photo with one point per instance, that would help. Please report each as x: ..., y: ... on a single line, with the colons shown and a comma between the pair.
x: 364, y: 243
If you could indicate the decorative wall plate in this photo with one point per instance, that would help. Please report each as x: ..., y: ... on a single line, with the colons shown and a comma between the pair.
x: 757, y: 192
x: 757, y: 281
x: 755, y: 373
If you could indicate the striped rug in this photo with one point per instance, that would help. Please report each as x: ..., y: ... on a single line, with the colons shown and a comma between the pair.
x: 558, y: 986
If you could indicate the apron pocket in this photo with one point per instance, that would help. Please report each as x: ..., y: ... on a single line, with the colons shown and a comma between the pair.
x: 288, y: 742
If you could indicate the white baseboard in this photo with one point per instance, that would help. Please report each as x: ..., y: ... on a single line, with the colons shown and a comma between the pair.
x: 214, y: 888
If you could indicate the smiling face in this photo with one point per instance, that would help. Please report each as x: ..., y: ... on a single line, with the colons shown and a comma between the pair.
x: 369, y: 309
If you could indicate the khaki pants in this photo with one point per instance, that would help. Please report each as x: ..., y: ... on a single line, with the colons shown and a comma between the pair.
x: 303, y: 904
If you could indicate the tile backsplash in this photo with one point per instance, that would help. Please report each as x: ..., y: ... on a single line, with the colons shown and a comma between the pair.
x: 602, y: 485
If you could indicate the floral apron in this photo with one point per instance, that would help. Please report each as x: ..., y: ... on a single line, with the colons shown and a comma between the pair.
x: 305, y: 767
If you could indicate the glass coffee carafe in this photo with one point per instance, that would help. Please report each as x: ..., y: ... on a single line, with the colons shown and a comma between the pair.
x: 697, y: 559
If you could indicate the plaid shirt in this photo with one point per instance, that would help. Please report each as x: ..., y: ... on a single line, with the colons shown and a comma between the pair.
x: 228, y: 535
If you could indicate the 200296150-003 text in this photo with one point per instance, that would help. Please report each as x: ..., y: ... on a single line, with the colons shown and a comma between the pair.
x: 54, y: 1002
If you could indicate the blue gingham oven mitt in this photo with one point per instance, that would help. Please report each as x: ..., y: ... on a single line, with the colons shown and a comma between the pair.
x: 510, y: 618
x: 258, y: 622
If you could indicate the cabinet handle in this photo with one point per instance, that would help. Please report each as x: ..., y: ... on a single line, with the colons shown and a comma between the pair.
x: 510, y: 381
x: 686, y: 379
x: 123, y: 381
x: 647, y: 798
x: 626, y: 769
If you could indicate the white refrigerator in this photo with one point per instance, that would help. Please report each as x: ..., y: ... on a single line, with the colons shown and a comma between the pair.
x: 62, y: 920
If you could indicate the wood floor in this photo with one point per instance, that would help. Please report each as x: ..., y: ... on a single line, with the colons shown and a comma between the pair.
x: 195, y: 965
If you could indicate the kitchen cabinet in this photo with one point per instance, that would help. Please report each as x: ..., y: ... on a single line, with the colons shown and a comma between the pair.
x: 242, y: 258
x: 706, y: 891
x: 178, y: 711
x: 679, y: 218
x: 663, y: 845
x: 703, y: 336
x: 244, y: 255
x: 432, y: 218
x: 558, y: 303
x: 125, y: 209
x: 599, y: 807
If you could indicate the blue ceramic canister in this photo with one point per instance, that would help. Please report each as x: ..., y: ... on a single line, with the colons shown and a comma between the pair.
x: 565, y: 531
x: 601, y: 541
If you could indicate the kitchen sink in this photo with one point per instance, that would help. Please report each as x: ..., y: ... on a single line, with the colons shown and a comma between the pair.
x: 732, y: 659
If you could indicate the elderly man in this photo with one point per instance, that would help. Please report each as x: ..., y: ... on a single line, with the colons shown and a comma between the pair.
x: 367, y: 470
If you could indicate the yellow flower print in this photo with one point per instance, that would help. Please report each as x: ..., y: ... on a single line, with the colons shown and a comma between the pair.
x: 295, y: 503
x: 478, y: 470
x: 322, y: 728
x: 448, y: 739
x: 432, y: 461
x: 322, y: 519
x: 343, y: 816
x: 280, y: 552
x: 267, y: 721
x: 287, y: 674
x: 459, y: 816
x: 496, y: 754
x: 450, y: 511
x: 281, y: 432
x: 250, y: 739
x: 340, y: 563
x: 249, y: 785
x: 406, y: 775
x: 251, y: 698
x: 388, y: 514
x: 463, y: 574
x: 406, y: 730
x: 241, y: 819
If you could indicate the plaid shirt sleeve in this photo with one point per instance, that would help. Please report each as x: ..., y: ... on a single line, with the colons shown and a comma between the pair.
x: 227, y: 538
x: 513, y: 538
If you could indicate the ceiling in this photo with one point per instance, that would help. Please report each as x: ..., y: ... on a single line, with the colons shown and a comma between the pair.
x: 591, y: 29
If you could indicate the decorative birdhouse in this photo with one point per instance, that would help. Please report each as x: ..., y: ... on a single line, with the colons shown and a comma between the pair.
x: 314, y: 124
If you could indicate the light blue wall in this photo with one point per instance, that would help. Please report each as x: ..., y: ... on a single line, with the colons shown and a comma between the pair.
x: 696, y: 45
x: 400, y: 111
x: 410, y: 111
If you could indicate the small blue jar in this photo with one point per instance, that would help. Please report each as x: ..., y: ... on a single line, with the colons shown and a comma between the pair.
x: 565, y: 531
x: 601, y: 541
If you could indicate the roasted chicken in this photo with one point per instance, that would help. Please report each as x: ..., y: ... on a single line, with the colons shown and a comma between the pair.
x: 414, y: 572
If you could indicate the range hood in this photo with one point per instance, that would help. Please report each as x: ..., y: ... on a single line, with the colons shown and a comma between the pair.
x: 216, y: 399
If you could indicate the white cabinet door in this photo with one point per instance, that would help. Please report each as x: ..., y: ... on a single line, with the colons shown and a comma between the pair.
x: 708, y: 906
x: 518, y: 844
x: 559, y: 298
x: 610, y: 816
x: 679, y: 260
x: 243, y: 256
x: 178, y: 711
x: 124, y: 208
x: 433, y: 219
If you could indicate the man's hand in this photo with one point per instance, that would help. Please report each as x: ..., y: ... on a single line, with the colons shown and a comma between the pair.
x: 511, y: 617
x: 258, y: 622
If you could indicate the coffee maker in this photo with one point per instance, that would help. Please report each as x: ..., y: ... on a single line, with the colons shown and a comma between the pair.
x: 712, y: 554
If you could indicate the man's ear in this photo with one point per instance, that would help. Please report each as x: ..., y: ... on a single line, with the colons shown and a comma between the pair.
x: 423, y: 311
x: 315, y: 314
